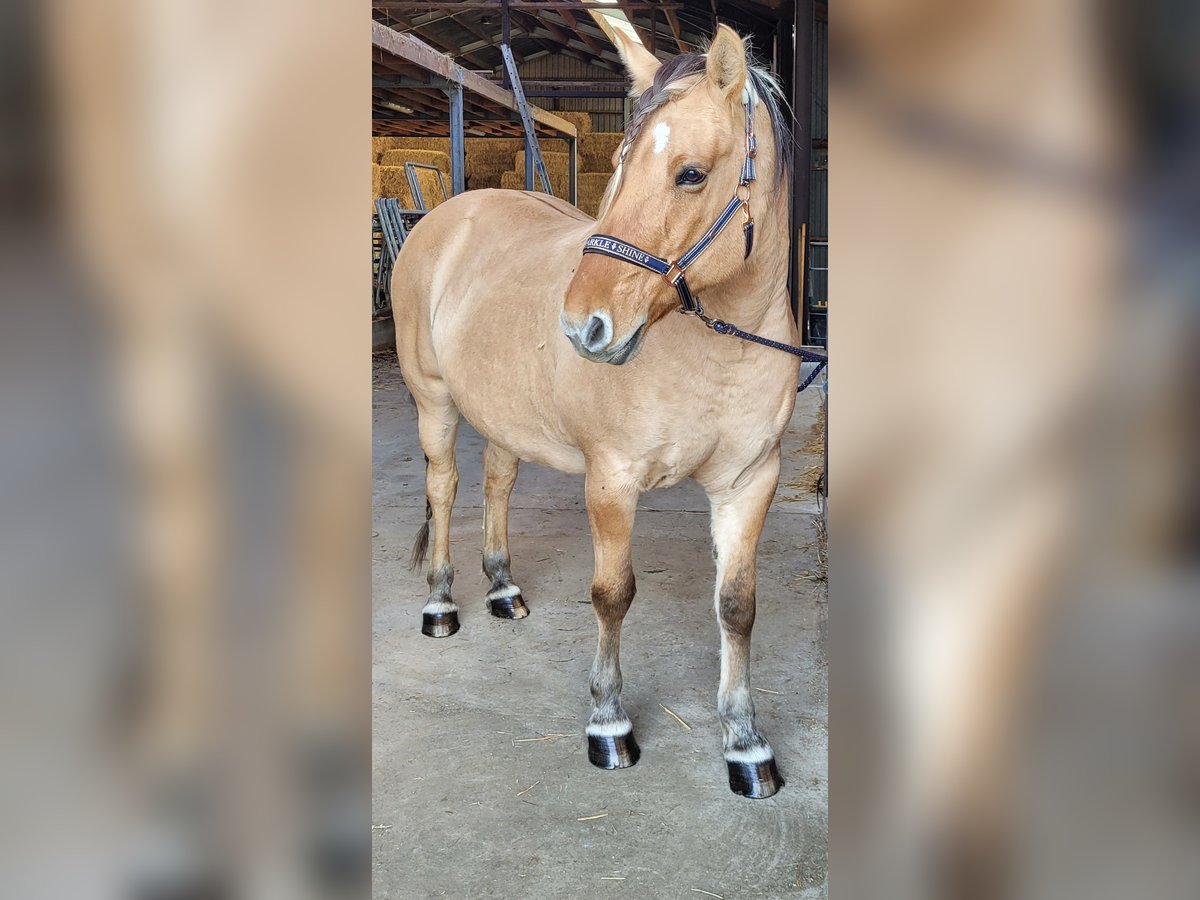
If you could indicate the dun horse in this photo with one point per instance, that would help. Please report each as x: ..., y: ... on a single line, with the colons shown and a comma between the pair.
x: 540, y: 326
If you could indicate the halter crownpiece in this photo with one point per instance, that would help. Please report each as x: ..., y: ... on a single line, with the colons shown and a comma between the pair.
x: 673, y: 272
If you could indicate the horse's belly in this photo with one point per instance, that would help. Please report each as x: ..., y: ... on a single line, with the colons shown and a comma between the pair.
x: 509, y: 414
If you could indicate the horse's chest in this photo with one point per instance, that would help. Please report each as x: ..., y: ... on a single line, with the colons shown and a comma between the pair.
x: 672, y: 461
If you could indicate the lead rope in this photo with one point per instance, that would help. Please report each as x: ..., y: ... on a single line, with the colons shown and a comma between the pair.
x: 722, y: 327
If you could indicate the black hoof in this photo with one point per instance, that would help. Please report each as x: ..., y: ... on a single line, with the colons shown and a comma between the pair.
x: 439, y: 625
x: 619, y: 752
x: 508, y: 607
x: 755, y: 780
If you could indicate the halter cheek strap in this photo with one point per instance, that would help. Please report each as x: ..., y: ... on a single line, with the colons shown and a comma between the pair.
x: 673, y: 272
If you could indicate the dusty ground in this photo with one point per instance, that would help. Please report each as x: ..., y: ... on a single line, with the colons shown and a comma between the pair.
x: 469, y: 802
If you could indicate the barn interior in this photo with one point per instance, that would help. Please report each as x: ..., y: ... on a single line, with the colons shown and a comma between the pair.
x: 482, y: 787
x: 432, y: 138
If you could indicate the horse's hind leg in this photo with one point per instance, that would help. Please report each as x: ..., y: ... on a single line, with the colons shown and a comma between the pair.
x: 737, y: 521
x: 499, y: 476
x: 611, y: 506
x: 438, y: 427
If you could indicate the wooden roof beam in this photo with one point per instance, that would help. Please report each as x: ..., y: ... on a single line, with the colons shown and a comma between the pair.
x: 642, y: 33
x: 409, y: 48
x: 573, y: 22
x: 673, y: 22
x: 433, y: 39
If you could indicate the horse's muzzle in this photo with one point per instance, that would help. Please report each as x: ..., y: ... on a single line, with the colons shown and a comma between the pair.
x: 593, y: 339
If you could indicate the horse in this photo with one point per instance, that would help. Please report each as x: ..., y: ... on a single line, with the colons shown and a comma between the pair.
x: 521, y: 313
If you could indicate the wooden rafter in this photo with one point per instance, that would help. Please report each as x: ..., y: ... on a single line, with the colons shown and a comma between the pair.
x: 573, y: 22
x: 673, y: 22
x: 454, y: 52
x: 411, y: 49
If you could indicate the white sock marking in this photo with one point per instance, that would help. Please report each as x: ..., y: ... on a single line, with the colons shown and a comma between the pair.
x: 751, y: 756
x: 609, y: 729
x: 510, y: 590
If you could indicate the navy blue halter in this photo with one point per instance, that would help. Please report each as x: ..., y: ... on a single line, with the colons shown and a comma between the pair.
x: 674, y: 272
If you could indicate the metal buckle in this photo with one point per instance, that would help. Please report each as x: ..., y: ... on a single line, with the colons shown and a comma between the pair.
x: 673, y: 274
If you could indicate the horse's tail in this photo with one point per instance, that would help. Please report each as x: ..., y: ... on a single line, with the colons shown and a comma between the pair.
x: 421, y: 544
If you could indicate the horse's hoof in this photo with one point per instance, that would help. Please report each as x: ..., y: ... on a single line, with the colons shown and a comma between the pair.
x: 619, y: 752
x: 756, y: 780
x: 439, y: 624
x: 508, y: 607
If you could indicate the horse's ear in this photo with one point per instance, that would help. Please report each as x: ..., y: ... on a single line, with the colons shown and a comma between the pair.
x: 640, y: 63
x: 727, y: 61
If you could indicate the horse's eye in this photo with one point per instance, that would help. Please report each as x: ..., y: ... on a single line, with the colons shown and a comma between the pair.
x: 690, y: 176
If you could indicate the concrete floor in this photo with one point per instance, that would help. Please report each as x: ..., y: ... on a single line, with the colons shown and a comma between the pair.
x: 481, y: 774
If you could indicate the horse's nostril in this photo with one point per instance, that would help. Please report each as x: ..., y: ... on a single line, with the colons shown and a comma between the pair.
x: 597, y: 333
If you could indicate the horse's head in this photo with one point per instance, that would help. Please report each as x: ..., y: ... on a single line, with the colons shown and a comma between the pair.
x: 676, y: 171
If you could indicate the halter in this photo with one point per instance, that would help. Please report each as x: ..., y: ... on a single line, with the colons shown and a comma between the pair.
x: 673, y: 273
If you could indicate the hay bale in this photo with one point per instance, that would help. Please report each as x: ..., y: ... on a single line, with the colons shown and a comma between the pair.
x: 581, y: 120
x: 592, y: 186
x: 399, y: 156
x: 393, y: 182
x: 556, y: 168
x: 488, y: 177
x: 596, y: 150
x: 488, y: 159
x: 380, y: 145
x: 558, y: 181
x: 515, y: 181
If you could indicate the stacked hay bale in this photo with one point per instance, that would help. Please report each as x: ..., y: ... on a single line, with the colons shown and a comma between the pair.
x: 380, y: 145
x: 594, y: 162
x: 591, y: 190
x: 591, y: 187
x: 581, y: 120
x: 557, y: 167
x: 596, y: 150
x: 494, y: 163
x: 391, y: 180
x: 488, y: 159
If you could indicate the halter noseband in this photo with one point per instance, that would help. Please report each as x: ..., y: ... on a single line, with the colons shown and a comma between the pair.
x: 673, y: 272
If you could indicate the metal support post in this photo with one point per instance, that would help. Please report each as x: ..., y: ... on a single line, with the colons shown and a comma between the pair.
x: 458, y: 153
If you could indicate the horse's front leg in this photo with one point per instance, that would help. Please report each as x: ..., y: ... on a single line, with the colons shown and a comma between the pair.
x: 738, y: 514
x: 611, y: 504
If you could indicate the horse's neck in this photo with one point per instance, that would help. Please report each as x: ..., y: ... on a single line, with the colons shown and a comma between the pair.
x: 757, y: 295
